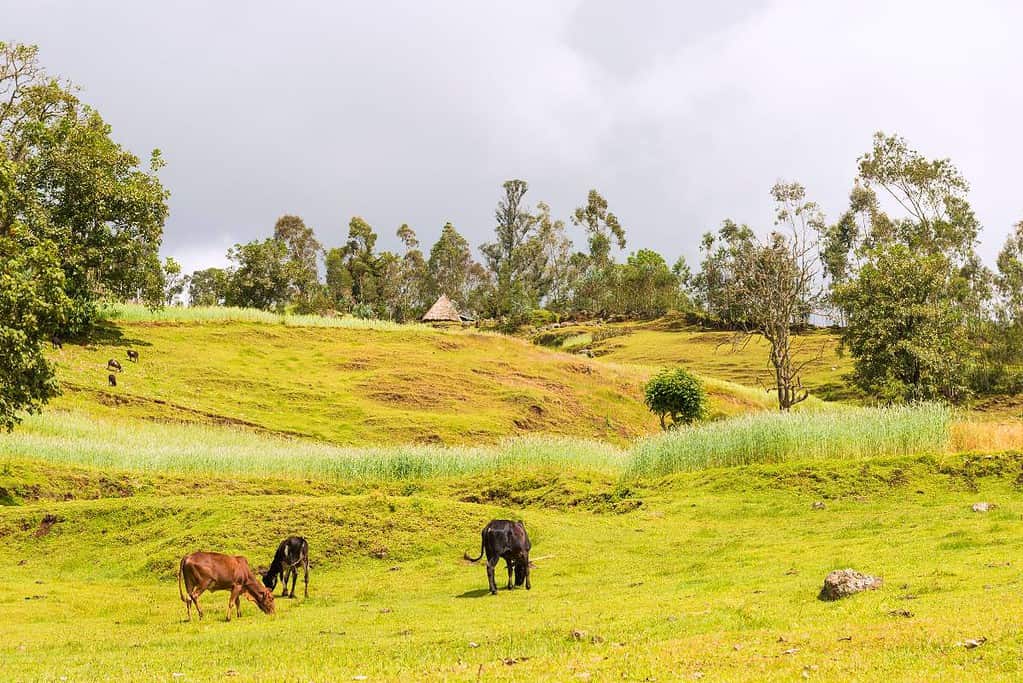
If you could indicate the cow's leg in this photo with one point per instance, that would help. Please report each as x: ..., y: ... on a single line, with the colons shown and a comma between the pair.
x: 236, y: 591
x: 196, y: 592
x: 490, y: 574
x: 305, y: 563
x: 508, y: 562
x: 294, y: 579
x: 284, y: 582
x: 528, y: 586
x: 238, y: 605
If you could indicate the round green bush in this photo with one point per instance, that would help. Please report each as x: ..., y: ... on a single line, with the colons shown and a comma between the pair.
x: 677, y: 395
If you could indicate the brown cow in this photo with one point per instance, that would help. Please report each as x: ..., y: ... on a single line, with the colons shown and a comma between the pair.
x: 216, y: 572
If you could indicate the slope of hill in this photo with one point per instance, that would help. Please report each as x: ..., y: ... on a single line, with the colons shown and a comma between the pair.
x: 361, y: 386
x: 710, y: 353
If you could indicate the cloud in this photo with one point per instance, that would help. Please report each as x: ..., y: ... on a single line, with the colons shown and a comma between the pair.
x: 682, y: 114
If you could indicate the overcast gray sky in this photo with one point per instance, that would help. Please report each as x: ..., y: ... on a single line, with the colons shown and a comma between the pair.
x: 680, y: 113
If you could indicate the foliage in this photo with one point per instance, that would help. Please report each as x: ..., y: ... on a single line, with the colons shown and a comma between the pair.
x: 78, y: 189
x: 910, y: 286
x: 33, y: 307
x: 174, y: 282
x: 302, y: 261
x: 208, y: 287
x: 646, y: 287
x: 453, y: 271
x: 260, y: 277
x: 676, y: 395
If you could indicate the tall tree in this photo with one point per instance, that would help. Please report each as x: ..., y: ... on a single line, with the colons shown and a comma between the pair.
x: 909, y: 337
x: 597, y: 281
x: 767, y: 288
x: 174, y: 281
x: 207, y: 287
x: 413, y: 279
x: 260, y: 277
x: 303, y: 258
x: 78, y: 188
x: 648, y: 288
x: 451, y: 268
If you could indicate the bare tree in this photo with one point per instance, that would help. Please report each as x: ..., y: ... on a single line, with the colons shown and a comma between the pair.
x: 777, y: 287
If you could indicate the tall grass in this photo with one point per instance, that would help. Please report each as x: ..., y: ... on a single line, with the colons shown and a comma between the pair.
x: 760, y: 438
x: 139, y: 313
x: 807, y: 435
x: 73, y: 439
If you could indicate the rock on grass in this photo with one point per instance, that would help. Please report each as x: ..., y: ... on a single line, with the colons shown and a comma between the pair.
x: 842, y: 583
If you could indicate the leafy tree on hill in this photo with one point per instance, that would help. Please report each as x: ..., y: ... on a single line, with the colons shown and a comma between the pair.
x: 410, y: 299
x: 676, y: 397
x: 648, y: 288
x: 453, y: 271
x: 260, y: 278
x: 174, y: 281
x: 598, y: 275
x: 208, y: 287
x: 909, y: 284
x: 33, y: 307
x: 78, y: 189
x: 769, y: 287
x: 303, y: 258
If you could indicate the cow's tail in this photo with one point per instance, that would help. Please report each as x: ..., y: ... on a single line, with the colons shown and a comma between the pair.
x: 483, y: 546
x: 181, y: 589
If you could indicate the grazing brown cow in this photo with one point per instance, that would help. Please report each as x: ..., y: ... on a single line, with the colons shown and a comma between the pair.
x: 113, y: 365
x: 217, y: 572
x: 505, y: 539
x: 133, y: 356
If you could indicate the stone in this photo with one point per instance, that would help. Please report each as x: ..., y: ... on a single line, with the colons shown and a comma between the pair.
x: 818, y: 505
x: 842, y: 583
x: 983, y: 507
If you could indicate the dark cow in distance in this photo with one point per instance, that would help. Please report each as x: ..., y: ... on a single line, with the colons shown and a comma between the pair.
x: 133, y: 356
x: 112, y: 379
x: 217, y: 572
x: 113, y: 365
x: 507, y: 540
x: 292, y: 552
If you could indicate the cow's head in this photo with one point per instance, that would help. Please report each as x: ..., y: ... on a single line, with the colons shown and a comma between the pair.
x: 520, y: 571
x: 262, y: 596
x: 270, y: 579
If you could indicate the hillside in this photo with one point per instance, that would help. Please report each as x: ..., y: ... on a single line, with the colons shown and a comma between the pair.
x: 710, y: 353
x: 356, y: 386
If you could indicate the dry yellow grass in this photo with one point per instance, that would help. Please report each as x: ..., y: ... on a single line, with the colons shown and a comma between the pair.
x: 986, y: 436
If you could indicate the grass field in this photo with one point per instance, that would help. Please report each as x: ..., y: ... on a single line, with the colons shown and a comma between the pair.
x: 689, y: 555
x: 713, y: 573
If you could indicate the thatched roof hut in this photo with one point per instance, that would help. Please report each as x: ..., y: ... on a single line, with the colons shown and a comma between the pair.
x: 442, y: 311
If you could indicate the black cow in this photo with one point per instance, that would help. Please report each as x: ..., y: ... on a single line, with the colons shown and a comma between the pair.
x: 56, y: 342
x: 505, y: 539
x: 113, y: 365
x: 292, y: 552
x: 133, y: 356
x: 112, y: 379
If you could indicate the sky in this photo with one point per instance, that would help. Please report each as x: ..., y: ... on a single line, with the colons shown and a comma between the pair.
x: 680, y: 113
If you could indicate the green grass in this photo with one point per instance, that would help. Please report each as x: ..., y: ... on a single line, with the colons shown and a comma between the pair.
x: 714, y: 573
x: 710, y: 353
x: 360, y: 385
x: 842, y: 434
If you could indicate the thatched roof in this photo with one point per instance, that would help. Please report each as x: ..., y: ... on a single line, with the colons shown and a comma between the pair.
x: 442, y: 311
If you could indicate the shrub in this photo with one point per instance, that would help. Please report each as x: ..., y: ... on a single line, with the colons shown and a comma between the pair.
x: 678, y: 395
x: 539, y: 317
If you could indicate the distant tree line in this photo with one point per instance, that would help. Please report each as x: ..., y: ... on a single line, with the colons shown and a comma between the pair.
x: 530, y: 271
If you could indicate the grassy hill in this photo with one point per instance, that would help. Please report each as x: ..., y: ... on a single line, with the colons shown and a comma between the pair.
x: 710, y: 353
x: 362, y: 385
x: 712, y: 574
